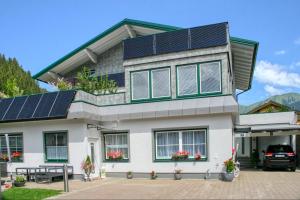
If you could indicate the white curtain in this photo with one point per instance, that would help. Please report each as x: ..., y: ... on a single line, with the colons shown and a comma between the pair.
x: 117, y: 142
x: 210, y: 77
x: 187, y: 80
x: 140, y: 85
x: 167, y: 144
x: 161, y: 82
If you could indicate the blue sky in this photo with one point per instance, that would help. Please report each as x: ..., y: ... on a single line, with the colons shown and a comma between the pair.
x: 39, y: 32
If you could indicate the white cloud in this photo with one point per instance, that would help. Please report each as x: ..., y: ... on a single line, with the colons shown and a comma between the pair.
x: 273, y: 91
x: 297, y: 41
x: 281, y: 52
x: 274, y: 74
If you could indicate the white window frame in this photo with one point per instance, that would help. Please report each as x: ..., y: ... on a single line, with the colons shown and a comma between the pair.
x: 160, y: 69
x: 132, y: 86
x: 200, y: 77
x: 178, y: 82
x: 180, y: 142
x: 115, y: 146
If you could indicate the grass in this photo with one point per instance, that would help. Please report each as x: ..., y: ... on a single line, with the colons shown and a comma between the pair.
x: 28, y: 194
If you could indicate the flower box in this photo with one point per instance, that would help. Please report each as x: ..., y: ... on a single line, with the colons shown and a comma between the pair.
x: 180, y: 155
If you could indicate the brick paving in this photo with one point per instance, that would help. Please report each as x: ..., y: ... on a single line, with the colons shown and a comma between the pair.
x: 249, y: 185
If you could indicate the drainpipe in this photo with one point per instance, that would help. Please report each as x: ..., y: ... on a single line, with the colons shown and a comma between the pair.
x: 9, y: 155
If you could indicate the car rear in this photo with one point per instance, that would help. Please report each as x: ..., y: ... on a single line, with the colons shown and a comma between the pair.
x: 280, y: 156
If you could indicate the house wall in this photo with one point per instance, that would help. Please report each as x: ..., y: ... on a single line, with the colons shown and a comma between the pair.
x: 181, y: 58
x: 33, y: 141
x: 141, y: 133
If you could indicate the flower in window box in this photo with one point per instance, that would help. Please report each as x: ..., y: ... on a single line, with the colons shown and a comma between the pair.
x: 4, y: 157
x: 198, y: 156
x: 115, y: 155
x: 180, y: 155
x: 16, y: 154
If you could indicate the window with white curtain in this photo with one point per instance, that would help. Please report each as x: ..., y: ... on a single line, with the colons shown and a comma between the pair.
x: 140, y: 85
x: 187, y: 81
x: 210, y: 76
x: 56, y: 146
x: 116, y: 142
x: 160, y: 79
x: 169, y: 142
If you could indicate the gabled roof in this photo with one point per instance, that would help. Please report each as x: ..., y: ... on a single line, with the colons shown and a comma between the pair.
x: 119, y: 30
x: 268, y: 104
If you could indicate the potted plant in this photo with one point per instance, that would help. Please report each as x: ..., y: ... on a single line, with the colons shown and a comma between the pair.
x: 87, y: 166
x: 20, y: 181
x: 177, y: 174
x: 153, y: 175
x: 115, y: 155
x: 229, y: 173
x: 197, y: 156
x: 180, y: 155
x: 129, y: 175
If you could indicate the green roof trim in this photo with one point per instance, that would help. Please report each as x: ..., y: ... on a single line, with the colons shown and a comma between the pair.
x: 103, y: 34
x: 249, y: 43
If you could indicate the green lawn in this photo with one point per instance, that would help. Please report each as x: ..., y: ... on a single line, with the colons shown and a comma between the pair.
x: 28, y: 194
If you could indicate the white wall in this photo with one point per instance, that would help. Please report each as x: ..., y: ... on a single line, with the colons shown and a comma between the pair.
x: 141, y: 144
x: 33, y: 141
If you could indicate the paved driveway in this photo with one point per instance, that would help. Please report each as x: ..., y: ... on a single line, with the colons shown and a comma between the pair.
x: 250, y: 185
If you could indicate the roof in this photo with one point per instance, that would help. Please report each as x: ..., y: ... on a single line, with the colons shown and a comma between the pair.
x: 88, y: 44
x: 244, y: 54
x: 266, y: 104
x: 52, y: 105
x: 207, y: 36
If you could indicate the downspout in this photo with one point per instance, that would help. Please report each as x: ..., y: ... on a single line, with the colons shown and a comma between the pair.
x: 9, y: 155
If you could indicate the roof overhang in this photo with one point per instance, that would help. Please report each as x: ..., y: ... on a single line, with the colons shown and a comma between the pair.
x: 243, y: 57
x: 127, y: 28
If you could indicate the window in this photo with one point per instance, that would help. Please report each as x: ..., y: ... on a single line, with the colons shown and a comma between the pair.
x: 116, y: 142
x: 140, y: 85
x: 56, y: 146
x: 169, y: 142
x: 160, y: 83
x: 15, y: 146
x: 187, y: 81
x: 155, y: 80
x: 210, y: 76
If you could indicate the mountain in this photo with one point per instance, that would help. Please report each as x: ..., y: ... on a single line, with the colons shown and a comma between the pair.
x: 291, y: 100
x: 14, y: 80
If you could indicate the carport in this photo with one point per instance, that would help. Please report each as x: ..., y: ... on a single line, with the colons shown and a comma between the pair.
x: 258, y: 131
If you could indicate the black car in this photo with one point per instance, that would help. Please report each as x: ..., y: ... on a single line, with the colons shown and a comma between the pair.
x: 279, y: 156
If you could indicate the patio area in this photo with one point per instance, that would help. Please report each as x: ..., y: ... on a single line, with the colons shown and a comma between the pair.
x: 249, y: 185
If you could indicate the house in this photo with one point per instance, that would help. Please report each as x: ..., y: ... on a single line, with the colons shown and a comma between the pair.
x: 176, y: 92
x: 270, y: 123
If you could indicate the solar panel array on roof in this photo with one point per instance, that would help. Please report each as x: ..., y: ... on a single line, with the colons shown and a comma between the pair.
x: 175, y: 41
x: 51, y: 105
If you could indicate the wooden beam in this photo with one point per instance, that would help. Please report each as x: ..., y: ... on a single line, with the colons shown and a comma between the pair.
x: 130, y: 31
x: 91, y: 55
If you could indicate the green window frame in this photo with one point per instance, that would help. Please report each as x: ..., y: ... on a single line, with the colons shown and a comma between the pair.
x: 16, y: 147
x: 199, y: 78
x: 110, y: 141
x: 56, y: 146
x: 151, y: 85
x: 193, y: 145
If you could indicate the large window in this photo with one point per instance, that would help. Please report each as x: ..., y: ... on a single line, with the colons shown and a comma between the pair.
x: 15, y: 146
x: 210, y: 77
x: 198, y: 79
x: 167, y: 143
x: 56, y: 146
x: 187, y: 80
x: 116, y: 146
x: 151, y: 84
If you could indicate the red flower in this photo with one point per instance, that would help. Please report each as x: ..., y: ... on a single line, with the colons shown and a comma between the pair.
x: 16, y: 154
x: 197, y: 156
x: 114, y: 155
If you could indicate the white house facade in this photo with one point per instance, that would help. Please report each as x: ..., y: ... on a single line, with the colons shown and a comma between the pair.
x: 176, y: 94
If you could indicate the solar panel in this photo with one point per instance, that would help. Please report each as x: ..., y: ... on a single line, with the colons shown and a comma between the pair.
x: 138, y: 47
x: 14, y: 109
x: 208, y: 36
x: 62, y: 103
x: 4, y: 105
x: 29, y: 107
x: 45, y: 105
x: 172, y: 41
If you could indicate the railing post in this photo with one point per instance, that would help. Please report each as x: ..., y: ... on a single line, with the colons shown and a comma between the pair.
x: 66, y: 178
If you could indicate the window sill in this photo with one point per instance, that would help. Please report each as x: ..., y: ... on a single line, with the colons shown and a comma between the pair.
x: 116, y: 161
x: 151, y: 100
x: 187, y: 160
x: 56, y: 161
